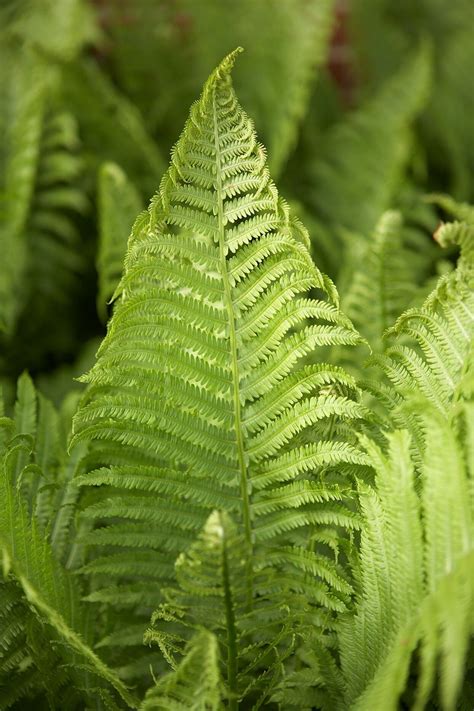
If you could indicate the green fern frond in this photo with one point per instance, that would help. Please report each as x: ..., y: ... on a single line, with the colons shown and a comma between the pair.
x: 54, y: 242
x: 376, y: 139
x: 195, y: 684
x: 42, y: 199
x: 281, y: 64
x: 21, y: 122
x: 119, y: 204
x: 41, y: 588
x: 434, y: 343
x: 45, y: 475
x: 385, y: 286
x: 416, y: 563
x: 211, y: 594
x: 202, y: 397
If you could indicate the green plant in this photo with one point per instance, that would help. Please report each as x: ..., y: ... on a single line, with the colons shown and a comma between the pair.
x: 260, y: 493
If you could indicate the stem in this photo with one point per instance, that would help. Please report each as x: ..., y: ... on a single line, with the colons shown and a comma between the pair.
x: 235, y: 373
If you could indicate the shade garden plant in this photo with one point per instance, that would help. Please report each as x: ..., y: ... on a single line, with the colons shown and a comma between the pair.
x: 255, y: 490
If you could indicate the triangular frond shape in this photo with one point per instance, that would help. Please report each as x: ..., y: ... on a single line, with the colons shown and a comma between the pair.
x: 287, y: 42
x: 203, y: 396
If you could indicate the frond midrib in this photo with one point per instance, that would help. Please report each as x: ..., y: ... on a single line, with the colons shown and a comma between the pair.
x: 234, y: 357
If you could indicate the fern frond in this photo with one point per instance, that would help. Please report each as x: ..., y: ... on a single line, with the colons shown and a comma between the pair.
x: 42, y: 200
x: 434, y: 342
x: 376, y: 139
x: 41, y: 588
x: 386, y: 285
x: 45, y: 476
x: 195, y: 684
x: 202, y: 397
x: 416, y: 563
x: 292, y: 44
x: 54, y: 242
x: 119, y: 204
x: 22, y: 134
x: 211, y: 594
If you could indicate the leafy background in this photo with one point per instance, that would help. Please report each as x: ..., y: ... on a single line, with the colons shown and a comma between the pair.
x: 362, y: 105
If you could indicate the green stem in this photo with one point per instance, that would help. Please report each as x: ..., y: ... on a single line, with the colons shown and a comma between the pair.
x: 235, y: 373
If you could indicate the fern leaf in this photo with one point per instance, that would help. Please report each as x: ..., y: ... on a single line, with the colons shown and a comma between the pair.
x: 41, y: 201
x: 46, y: 588
x: 375, y: 138
x: 211, y: 593
x: 415, y: 574
x: 22, y: 127
x: 195, y: 684
x: 434, y: 342
x: 202, y: 397
x: 386, y: 286
x: 292, y: 44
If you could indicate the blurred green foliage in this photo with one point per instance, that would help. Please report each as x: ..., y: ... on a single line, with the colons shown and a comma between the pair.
x: 363, y: 106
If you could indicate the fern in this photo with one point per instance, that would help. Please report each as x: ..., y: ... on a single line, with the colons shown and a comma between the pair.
x: 42, y: 599
x: 290, y: 46
x: 195, y: 684
x: 380, y: 32
x: 386, y: 285
x: 390, y: 276
x: 416, y: 582
x: 43, y: 200
x: 200, y: 398
x: 238, y: 506
x: 212, y: 595
x: 21, y: 121
x: 376, y: 139
x: 434, y: 343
